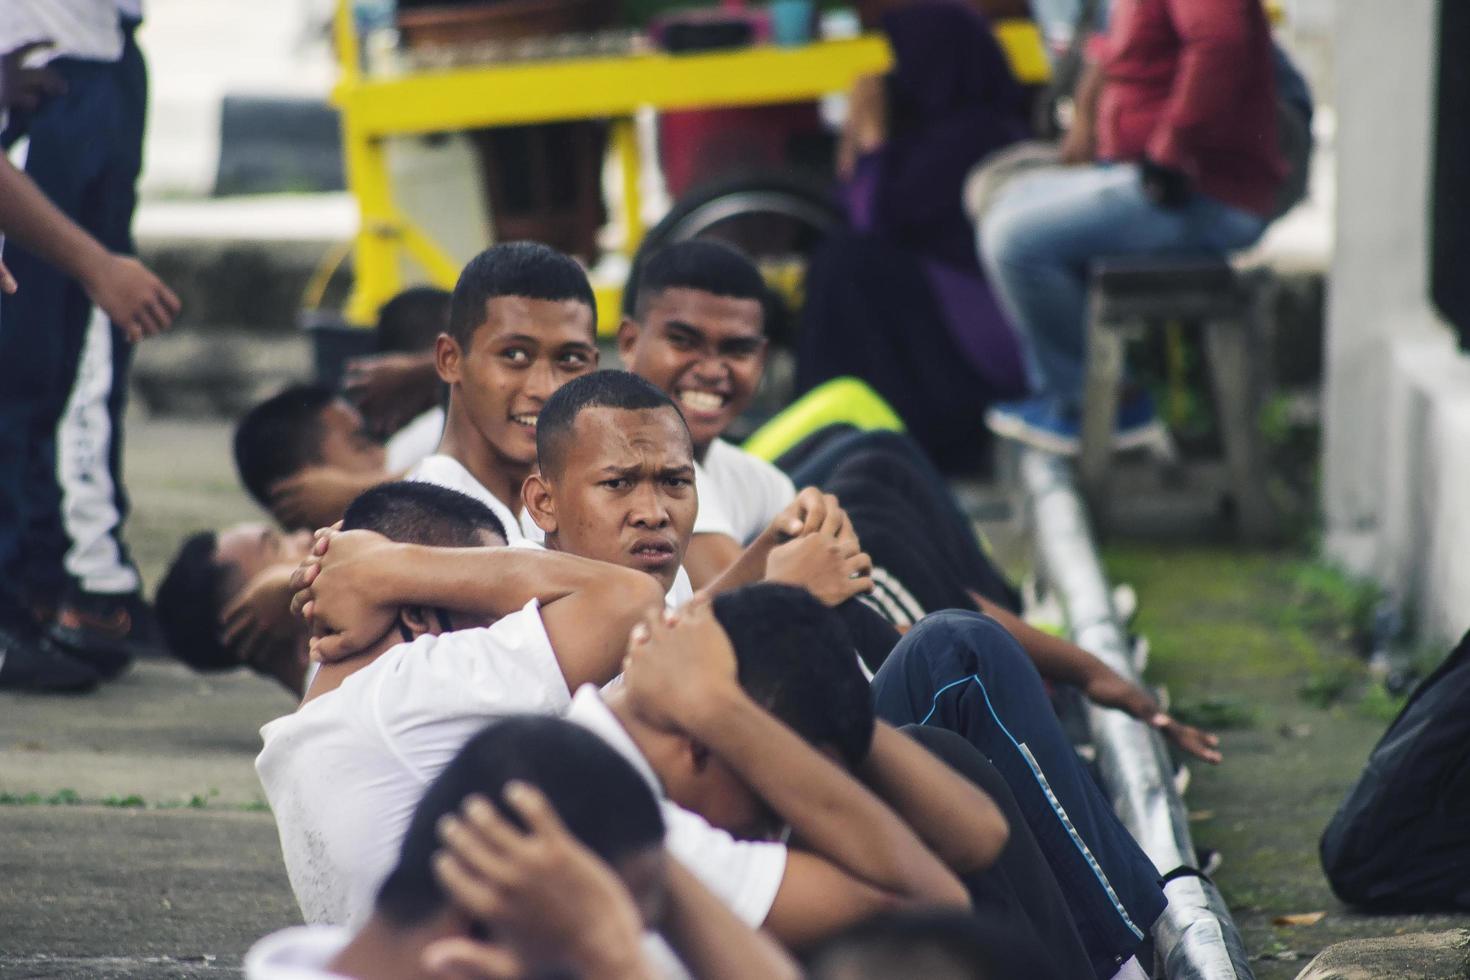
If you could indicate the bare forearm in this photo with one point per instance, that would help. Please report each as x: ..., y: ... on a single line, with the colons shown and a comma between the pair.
x: 488, y: 581
x: 1085, y: 98
x: 1063, y: 662
x: 1059, y: 661
x: 747, y: 568
x: 27, y: 215
x: 832, y: 813
x: 710, y: 556
x: 955, y: 818
x: 712, y: 943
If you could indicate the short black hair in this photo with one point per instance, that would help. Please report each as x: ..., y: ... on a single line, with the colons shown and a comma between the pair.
x: 599, y: 796
x: 943, y: 944
x: 699, y: 263
x: 796, y: 659
x: 527, y: 269
x: 410, y: 322
x: 280, y: 437
x: 422, y: 513
x: 188, y: 604
x: 600, y: 389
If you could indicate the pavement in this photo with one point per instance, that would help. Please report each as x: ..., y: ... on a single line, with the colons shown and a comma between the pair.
x: 137, y: 842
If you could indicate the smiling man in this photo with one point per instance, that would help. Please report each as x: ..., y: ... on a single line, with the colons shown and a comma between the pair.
x: 522, y: 323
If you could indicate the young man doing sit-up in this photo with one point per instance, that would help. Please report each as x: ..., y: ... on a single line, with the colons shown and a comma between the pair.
x: 522, y: 322
x: 696, y: 329
x: 246, y: 568
x: 746, y: 772
x: 343, y: 773
x: 536, y: 852
x: 616, y: 482
x: 304, y: 454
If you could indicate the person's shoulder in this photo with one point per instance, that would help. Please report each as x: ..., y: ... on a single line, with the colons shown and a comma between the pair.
x: 440, y: 469
x: 729, y: 459
x: 296, y: 953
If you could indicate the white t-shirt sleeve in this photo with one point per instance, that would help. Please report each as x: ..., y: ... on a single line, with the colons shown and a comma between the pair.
x: 745, y: 875
x: 441, y: 690
x: 416, y: 441
x: 753, y: 491
x: 712, y: 517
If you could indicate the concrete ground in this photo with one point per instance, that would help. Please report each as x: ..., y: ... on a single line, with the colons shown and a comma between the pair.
x: 137, y: 844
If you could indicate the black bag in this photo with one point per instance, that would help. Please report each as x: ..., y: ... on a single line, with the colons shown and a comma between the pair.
x: 1401, y: 839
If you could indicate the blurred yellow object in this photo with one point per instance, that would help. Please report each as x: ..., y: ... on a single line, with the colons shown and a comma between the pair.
x: 377, y: 108
x: 839, y: 401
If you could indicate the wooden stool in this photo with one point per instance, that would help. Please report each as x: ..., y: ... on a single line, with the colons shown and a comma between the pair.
x: 1132, y: 293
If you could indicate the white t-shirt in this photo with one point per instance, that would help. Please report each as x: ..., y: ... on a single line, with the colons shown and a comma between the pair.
x: 749, y: 490
x: 679, y: 593
x: 744, y: 874
x: 297, y: 953
x: 85, y: 29
x: 446, y: 471
x: 344, y: 773
x: 416, y: 441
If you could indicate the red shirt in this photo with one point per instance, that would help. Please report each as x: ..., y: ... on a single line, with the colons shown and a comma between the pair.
x: 1190, y: 84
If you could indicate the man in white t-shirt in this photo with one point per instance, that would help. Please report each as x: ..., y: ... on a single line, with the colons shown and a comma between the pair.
x: 522, y: 322
x: 343, y: 773
x: 537, y: 851
x: 696, y: 329
x: 616, y: 481
x: 746, y: 715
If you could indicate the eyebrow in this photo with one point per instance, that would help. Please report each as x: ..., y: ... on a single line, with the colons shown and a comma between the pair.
x: 685, y: 327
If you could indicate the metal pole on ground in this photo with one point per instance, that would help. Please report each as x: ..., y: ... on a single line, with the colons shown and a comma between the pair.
x: 1195, y: 938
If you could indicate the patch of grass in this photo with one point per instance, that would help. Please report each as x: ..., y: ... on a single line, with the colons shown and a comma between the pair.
x: 130, y: 802
x: 1217, y: 713
x: 20, y: 799
x: 1378, y: 704
x: 1326, y: 598
x: 1331, y: 684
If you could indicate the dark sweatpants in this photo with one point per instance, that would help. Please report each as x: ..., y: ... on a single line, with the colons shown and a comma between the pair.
x: 85, y: 153
x: 1018, y: 893
x: 963, y: 672
x: 906, y: 517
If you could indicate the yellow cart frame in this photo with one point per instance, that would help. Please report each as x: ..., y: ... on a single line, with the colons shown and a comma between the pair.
x: 375, y: 109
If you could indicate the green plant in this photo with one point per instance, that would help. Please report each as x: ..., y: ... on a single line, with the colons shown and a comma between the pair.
x: 1217, y: 713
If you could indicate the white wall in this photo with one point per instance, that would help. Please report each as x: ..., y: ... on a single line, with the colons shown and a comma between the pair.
x: 1397, y: 406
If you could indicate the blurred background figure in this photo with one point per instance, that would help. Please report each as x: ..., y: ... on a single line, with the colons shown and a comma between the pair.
x: 75, y: 94
x: 899, y: 299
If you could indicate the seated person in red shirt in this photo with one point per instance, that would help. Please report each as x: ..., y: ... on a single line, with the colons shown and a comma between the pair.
x: 1174, y: 151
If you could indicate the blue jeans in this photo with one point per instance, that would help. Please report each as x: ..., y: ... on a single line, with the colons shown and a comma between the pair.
x: 1039, y: 240
x: 963, y: 672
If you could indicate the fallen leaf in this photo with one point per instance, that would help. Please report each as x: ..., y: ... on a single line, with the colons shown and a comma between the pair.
x: 1299, y: 919
x: 1195, y: 816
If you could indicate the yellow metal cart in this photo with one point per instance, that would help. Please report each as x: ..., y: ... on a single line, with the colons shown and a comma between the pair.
x: 412, y: 103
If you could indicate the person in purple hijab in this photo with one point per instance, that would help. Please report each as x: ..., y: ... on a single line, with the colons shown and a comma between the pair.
x: 899, y: 299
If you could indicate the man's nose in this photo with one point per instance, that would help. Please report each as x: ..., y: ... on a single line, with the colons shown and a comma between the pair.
x: 648, y: 508
x: 540, y: 381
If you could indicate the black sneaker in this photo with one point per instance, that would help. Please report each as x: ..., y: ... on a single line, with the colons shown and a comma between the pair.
x: 28, y: 662
x: 105, y: 631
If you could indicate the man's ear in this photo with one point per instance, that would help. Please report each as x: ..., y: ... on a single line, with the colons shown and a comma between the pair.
x: 417, y: 620
x: 537, y: 497
x: 447, y: 357
x: 628, y: 334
